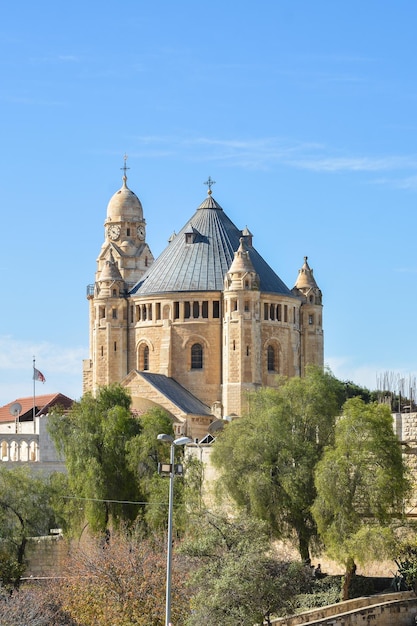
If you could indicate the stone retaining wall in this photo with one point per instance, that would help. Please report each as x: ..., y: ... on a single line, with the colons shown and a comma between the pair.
x: 393, y: 609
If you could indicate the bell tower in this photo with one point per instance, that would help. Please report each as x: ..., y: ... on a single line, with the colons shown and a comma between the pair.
x: 123, y: 260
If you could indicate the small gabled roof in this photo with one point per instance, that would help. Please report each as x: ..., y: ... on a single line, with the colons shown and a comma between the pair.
x: 42, y: 405
x: 176, y: 393
x: 198, y: 258
x: 110, y: 271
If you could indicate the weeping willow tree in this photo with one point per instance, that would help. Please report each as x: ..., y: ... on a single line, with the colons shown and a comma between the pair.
x: 361, y: 485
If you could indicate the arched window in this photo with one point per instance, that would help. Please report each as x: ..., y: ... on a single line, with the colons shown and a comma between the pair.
x: 146, y: 358
x: 271, y: 359
x: 143, y: 357
x: 196, y: 356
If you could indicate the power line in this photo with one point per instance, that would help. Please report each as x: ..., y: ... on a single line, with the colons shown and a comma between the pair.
x: 114, y: 501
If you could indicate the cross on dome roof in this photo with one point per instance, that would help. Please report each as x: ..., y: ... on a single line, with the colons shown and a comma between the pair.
x: 209, y: 182
x: 125, y: 168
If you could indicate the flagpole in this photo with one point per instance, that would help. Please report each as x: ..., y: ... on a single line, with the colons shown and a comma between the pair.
x: 34, y: 383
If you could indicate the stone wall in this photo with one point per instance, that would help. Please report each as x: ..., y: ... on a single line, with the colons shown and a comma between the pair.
x: 405, y: 427
x: 46, y: 556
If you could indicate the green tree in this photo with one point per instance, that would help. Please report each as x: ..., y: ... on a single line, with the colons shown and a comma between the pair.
x: 361, y: 486
x: 237, y: 579
x: 145, y: 452
x: 25, y: 511
x: 268, y: 457
x: 93, y: 437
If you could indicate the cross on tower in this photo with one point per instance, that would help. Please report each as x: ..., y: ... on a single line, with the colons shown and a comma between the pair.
x: 125, y: 168
x: 209, y: 182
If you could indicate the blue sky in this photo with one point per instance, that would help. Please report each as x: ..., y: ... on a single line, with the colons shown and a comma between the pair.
x: 304, y: 113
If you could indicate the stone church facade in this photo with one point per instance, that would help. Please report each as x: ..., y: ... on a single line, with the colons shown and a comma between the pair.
x: 202, y: 325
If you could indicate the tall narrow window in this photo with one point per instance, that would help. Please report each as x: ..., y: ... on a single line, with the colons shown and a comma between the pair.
x: 146, y: 358
x: 196, y: 310
x: 196, y: 356
x: 216, y: 308
x: 187, y: 310
x: 271, y: 359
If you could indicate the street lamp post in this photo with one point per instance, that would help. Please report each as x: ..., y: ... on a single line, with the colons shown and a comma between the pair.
x: 181, y: 441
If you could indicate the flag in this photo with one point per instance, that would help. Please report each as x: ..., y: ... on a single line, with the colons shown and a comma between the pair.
x: 37, y: 375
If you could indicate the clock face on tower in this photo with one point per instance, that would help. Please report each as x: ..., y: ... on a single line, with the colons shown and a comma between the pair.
x: 113, y: 231
x: 141, y: 232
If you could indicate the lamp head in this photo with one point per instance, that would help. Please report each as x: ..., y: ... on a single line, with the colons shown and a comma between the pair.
x: 163, y: 437
x: 182, y: 441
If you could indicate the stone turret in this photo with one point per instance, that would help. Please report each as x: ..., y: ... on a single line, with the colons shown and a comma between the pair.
x: 311, y: 318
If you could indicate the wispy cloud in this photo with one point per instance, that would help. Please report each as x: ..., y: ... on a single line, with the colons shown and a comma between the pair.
x: 69, y: 58
x: 268, y: 152
x: 61, y: 367
x: 17, y: 355
x: 371, y: 375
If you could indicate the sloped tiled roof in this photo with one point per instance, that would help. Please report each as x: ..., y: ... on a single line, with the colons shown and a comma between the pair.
x: 201, y: 265
x: 42, y: 404
x: 176, y: 393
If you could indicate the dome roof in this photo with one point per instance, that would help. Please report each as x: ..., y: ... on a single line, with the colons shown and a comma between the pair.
x: 241, y: 263
x: 124, y: 205
x: 305, y: 279
x: 198, y: 258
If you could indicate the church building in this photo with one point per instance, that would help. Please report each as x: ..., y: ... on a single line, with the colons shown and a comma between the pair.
x: 196, y: 329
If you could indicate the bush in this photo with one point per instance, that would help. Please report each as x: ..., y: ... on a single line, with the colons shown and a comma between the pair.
x: 324, y: 591
x: 32, y: 606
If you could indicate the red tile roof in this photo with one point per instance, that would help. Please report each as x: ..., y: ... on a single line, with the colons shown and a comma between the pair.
x: 42, y: 405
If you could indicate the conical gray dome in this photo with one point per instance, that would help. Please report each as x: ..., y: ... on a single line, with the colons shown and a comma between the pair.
x: 198, y: 258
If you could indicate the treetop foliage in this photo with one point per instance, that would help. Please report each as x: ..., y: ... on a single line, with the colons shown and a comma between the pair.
x: 111, y: 458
